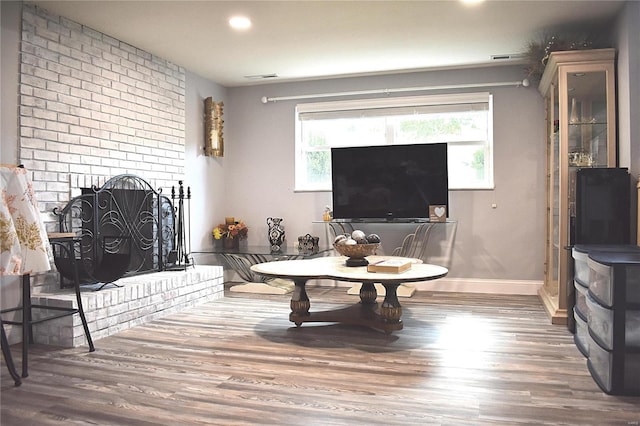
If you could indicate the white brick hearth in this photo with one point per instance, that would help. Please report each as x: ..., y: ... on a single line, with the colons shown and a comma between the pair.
x: 141, y: 299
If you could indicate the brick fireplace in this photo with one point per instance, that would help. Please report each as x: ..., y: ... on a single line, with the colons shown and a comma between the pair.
x: 123, y: 227
x: 139, y: 299
x: 93, y: 107
x: 125, y: 208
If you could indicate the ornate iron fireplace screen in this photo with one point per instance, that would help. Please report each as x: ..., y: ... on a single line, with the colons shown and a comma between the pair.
x: 123, y: 228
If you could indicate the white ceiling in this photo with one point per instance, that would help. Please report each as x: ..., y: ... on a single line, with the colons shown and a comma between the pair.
x: 320, y: 39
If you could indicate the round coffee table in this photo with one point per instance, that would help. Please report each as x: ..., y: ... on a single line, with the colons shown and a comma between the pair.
x: 385, y: 317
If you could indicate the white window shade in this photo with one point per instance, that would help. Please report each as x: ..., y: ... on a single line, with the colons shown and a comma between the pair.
x: 390, y: 103
x: 392, y: 111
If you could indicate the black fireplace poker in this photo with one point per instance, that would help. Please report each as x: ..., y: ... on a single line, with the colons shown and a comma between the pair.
x: 182, y: 244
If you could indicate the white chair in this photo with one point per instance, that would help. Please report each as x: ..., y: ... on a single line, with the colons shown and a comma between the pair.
x: 415, y: 245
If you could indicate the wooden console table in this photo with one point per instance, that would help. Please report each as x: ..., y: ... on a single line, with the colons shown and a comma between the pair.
x: 385, y: 317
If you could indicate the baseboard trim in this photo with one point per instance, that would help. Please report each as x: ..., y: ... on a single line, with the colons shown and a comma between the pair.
x: 479, y: 285
x: 463, y: 285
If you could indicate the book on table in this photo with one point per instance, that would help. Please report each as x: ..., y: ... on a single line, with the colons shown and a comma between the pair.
x: 390, y: 266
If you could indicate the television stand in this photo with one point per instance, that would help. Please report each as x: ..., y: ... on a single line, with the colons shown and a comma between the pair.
x: 380, y: 220
x: 414, y: 243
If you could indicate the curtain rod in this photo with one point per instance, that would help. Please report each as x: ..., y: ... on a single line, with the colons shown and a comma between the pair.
x: 523, y: 83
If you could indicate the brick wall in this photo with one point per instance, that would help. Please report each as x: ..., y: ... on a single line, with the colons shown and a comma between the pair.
x: 94, y: 105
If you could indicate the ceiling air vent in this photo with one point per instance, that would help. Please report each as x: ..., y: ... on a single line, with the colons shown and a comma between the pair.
x: 507, y: 56
x: 261, y: 76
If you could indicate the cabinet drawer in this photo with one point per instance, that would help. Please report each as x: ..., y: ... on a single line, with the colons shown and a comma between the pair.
x: 600, y: 323
x: 581, y: 300
x: 581, y: 337
x: 602, y: 326
x: 580, y: 265
x: 611, y: 273
x: 619, y: 377
x: 581, y: 252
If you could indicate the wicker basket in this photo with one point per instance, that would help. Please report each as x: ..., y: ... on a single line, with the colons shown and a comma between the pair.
x: 356, y: 250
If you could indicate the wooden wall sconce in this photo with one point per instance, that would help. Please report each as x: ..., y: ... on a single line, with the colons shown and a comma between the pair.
x: 214, y: 140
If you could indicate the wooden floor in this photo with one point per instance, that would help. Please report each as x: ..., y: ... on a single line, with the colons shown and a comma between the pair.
x: 461, y: 360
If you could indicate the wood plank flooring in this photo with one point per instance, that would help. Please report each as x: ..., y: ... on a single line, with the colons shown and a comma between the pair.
x: 462, y: 359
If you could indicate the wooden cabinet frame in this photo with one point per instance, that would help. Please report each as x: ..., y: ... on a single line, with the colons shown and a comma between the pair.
x: 574, y: 108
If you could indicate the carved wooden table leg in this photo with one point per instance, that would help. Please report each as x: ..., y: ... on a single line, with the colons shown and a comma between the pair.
x: 391, y: 311
x: 368, y: 293
x: 299, y: 302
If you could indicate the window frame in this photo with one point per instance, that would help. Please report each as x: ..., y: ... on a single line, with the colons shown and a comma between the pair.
x: 348, y: 106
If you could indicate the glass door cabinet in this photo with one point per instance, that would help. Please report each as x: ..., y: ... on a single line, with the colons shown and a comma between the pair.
x: 579, y: 92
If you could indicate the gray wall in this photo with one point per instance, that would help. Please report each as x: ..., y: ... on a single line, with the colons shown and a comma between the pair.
x: 505, y: 243
x: 204, y: 175
x: 10, y: 14
x: 628, y: 43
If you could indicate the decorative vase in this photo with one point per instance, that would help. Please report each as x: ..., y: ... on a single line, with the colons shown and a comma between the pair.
x: 308, y: 244
x: 573, y: 119
x: 276, y: 232
x: 231, y: 243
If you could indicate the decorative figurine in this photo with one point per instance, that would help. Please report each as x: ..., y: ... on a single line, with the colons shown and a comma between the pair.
x: 276, y: 233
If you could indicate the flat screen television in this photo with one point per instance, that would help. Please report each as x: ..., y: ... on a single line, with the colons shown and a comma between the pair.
x: 391, y: 182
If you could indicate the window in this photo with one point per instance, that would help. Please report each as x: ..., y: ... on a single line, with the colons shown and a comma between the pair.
x: 463, y: 121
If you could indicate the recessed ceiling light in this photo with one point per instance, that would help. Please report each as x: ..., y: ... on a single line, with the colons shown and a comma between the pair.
x: 471, y: 2
x: 240, y: 22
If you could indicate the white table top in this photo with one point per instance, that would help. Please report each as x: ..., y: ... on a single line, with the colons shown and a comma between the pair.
x: 335, y: 268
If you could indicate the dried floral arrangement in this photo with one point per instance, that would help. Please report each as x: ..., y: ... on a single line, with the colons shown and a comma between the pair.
x: 538, y: 51
x: 236, y: 229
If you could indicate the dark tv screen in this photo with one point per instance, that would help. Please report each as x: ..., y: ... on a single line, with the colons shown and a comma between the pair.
x: 392, y: 182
